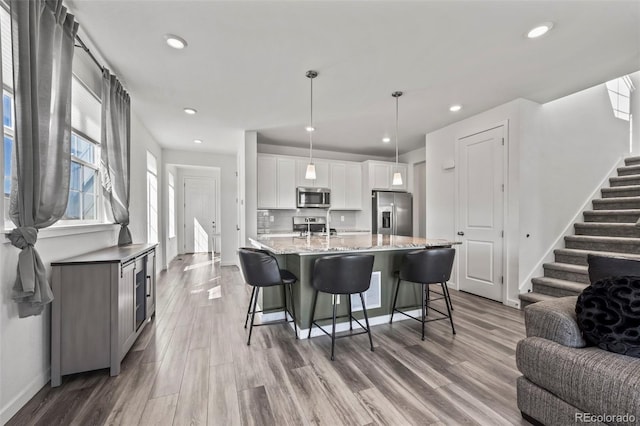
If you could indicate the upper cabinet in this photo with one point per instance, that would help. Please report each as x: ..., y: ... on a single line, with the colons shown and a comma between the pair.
x: 322, y: 174
x: 280, y: 175
x: 380, y: 175
x: 276, y: 182
x: 346, y: 186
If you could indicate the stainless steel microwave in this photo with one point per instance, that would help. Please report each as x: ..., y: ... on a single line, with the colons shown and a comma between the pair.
x: 313, y: 197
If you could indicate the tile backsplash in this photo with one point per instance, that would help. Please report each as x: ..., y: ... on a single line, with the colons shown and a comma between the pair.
x: 274, y: 221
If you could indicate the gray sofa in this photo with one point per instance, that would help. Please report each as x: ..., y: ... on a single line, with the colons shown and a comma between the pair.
x: 563, y: 381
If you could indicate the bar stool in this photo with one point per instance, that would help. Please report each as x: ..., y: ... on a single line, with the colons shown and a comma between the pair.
x: 426, y: 267
x: 260, y: 269
x: 346, y: 275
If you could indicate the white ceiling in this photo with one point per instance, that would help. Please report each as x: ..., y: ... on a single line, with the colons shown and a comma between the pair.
x: 244, y: 68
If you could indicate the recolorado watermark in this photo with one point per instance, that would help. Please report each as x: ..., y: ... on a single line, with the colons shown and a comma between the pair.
x: 604, y: 418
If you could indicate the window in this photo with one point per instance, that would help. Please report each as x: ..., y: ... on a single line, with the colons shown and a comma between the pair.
x: 83, y: 188
x: 620, y: 96
x: 172, y: 207
x: 152, y: 198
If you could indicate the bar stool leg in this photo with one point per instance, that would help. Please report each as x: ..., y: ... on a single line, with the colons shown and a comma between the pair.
x: 333, y: 328
x: 313, y: 312
x: 366, y: 321
x: 444, y: 286
x: 424, y: 313
x: 395, y: 299
x: 253, y: 292
x: 428, y: 297
x: 253, y: 315
x: 293, y: 310
x: 448, y: 296
x: 350, y: 316
x: 284, y: 301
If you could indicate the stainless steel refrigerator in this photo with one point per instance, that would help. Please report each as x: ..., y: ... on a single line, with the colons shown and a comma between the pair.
x: 391, y: 213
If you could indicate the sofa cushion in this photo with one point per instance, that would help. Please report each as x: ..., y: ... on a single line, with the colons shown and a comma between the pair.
x: 590, y: 379
x: 555, y: 320
x: 608, y: 313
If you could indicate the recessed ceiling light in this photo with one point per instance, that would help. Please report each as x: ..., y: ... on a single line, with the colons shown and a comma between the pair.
x: 386, y: 139
x: 175, y: 41
x: 540, y: 30
x: 190, y: 111
x: 197, y: 141
x: 455, y: 108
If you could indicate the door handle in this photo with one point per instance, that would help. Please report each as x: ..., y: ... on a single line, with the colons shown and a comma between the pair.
x: 460, y: 233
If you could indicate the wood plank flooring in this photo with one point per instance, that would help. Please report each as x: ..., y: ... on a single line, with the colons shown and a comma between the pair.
x: 191, y: 366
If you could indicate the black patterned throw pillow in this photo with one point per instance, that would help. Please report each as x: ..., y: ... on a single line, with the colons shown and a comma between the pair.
x: 608, y: 313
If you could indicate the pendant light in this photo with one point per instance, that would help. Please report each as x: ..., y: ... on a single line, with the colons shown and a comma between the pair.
x: 311, y: 168
x: 397, y: 177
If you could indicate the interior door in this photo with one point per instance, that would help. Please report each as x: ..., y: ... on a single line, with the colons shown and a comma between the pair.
x: 199, y: 214
x: 480, y: 212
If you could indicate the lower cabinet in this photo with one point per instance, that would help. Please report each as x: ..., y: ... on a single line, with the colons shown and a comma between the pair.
x: 102, y: 301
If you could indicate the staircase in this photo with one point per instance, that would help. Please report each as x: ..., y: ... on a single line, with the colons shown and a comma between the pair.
x: 611, y: 228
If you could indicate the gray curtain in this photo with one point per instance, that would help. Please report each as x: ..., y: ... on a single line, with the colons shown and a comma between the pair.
x: 43, y: 41
x: 116, y: 143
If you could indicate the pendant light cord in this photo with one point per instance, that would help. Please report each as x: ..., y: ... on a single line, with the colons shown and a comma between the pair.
x: 397, y: 133
x: 311, y: 124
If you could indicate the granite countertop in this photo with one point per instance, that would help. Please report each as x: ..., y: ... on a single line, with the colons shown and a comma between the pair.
x: 346, y: 243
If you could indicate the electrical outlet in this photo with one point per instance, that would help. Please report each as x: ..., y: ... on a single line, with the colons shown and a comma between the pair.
x: 271, y: 219
x: 341, y: 218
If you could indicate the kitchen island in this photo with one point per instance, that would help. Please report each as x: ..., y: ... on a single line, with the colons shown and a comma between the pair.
x: 298, y: 254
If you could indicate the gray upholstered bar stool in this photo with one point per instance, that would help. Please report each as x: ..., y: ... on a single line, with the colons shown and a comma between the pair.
x: 260, y: 269
x: 427, y: 267
x: 342, y: 274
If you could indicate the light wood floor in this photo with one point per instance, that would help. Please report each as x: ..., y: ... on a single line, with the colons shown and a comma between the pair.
x: 192, y: 366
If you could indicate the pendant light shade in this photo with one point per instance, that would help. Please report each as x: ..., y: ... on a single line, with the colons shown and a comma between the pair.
x: 311, y: 168
x: 397, y: 177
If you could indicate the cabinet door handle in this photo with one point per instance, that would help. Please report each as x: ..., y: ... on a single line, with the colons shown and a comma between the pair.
x: 149, y: 287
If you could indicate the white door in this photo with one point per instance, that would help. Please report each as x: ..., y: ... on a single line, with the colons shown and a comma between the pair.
x: 480, y: 213
x: 200, y: 215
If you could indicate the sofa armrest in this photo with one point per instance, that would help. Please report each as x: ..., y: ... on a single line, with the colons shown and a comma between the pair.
x: 555, y: 320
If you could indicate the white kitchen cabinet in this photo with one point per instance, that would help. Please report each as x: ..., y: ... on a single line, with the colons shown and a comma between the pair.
x: 322, y: 174
x: 381, y: 176
x: 276, y: 182
x: 338, y: 185
x: 267, y: 182
x: 353, y: 187
x: 286, y: 183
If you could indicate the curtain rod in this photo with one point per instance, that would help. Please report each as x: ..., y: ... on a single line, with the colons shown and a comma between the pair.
x: 84, y: 47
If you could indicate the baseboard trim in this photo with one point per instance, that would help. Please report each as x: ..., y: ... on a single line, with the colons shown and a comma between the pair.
x: 341, y: 326
x: 13, y: 406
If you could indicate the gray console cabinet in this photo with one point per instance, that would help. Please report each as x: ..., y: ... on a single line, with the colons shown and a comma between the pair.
x: 102, y: 301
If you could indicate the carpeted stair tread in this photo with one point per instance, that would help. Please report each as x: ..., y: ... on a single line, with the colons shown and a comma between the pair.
x: 566, y: 271
x: 632, y: 161
x: 629, y: 170
x: 560, y: 284
x: 532, y: 297
x: 615, y: 203
x: 624, y: 180
x: 621, y: 191
x: 617, y: 244
x: 625, y: 230
x: 612, y: 216
x: 579, y: 257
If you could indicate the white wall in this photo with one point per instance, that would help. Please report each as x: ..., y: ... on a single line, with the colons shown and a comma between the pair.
x: 250, y: 184
x: 557, y: 154
x: 635, y: 110
x: 228, y: 194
